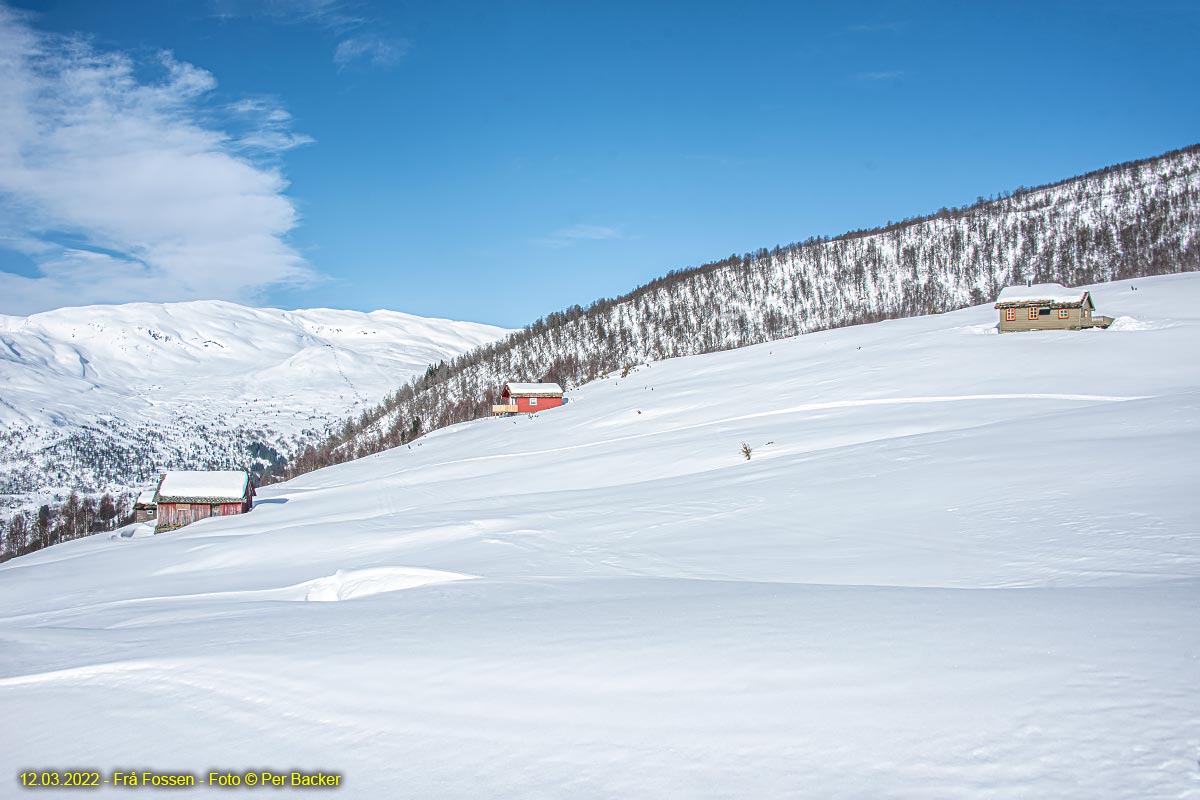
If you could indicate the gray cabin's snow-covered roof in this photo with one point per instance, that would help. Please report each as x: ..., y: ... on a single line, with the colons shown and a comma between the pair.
x: 145, y: 498
x: 227, y: 486
x: 534, y: 389
x: 1047, y: 293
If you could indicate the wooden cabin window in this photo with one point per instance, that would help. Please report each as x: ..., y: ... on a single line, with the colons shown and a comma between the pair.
x: 1010, y: 314
x: 1063, y: 313
x: 533, y: 401
x: 1033, y: 312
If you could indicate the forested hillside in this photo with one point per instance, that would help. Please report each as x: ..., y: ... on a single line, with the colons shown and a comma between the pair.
x: 1130, y: 220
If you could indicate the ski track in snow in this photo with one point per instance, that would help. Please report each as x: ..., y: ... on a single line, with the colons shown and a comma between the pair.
x: 337, y: 362
x: 808, y: 407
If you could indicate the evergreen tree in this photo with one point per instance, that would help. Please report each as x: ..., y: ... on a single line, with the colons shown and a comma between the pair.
x: 107, y: 511
x: 45, y: 520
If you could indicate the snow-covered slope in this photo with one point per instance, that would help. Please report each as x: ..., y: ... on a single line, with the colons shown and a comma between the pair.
x: 957, y: 564
x: 1127, y: 221
x: 98, y: 397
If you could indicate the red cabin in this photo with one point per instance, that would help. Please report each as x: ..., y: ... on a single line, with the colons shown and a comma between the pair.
x: 185, y: 497
x: 528, y: 398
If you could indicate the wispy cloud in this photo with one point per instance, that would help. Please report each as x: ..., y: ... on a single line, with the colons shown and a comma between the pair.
x: 336, y: 15
x: 369, y: 49
x: 574, y: 234
x: 884, y: 75
x: 875, y: 27
x: 120, y: 187
x: 360, y: 37
x: 267, y: 126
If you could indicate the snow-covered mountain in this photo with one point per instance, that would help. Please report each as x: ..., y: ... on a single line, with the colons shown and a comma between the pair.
x: 97, y: 398
x: 957, y: 564
x: 1129, y: 220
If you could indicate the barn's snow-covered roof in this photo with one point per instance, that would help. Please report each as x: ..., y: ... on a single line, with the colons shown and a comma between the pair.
x: 215, y: 486
x: 1051, y: 293
x: 534, y: 389
x: 145, y: 498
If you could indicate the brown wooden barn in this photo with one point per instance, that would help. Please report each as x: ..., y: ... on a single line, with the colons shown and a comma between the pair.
x: 1047, y: 307
x: 187, y: 496
x: 145, y: 509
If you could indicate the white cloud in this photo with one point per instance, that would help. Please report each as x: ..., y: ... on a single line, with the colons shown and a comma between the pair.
x: 876, y: 27
x: 360, y: 40
x: 161, y: 195
x: 332, y: 14
x: 268, y: 127
x: 369, y: 49
x: 108, y: 279
x: 573, y: 234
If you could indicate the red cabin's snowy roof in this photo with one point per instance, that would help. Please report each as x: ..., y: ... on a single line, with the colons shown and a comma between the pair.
x: 534, y: 389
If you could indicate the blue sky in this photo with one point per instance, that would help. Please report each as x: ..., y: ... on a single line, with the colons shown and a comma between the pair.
x: 496, y: 161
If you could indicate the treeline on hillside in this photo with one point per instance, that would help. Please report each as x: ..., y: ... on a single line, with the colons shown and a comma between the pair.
x: 1130, y: 220
x: 76, y: 517
x: 110, y: 455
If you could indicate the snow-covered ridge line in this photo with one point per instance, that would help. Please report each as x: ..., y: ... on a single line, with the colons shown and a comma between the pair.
x: 1135, y: 219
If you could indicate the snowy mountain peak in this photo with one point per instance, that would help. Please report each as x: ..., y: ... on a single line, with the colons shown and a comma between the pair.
x: 194, y: 384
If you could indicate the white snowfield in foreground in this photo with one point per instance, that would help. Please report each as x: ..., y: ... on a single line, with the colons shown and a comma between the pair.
x: 955, y: 566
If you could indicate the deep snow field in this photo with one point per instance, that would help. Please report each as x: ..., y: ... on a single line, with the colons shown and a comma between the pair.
x: 957, y: 565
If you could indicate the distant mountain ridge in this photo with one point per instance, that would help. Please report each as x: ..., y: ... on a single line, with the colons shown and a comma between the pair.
x: 98, y: 398
x: 1129, y: 220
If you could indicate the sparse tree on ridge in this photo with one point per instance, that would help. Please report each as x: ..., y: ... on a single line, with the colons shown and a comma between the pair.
x: 71, y: 517
x: 107, y: 511
x: 45, y: 526
x: 17, y: 539
x: 87, y: 516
